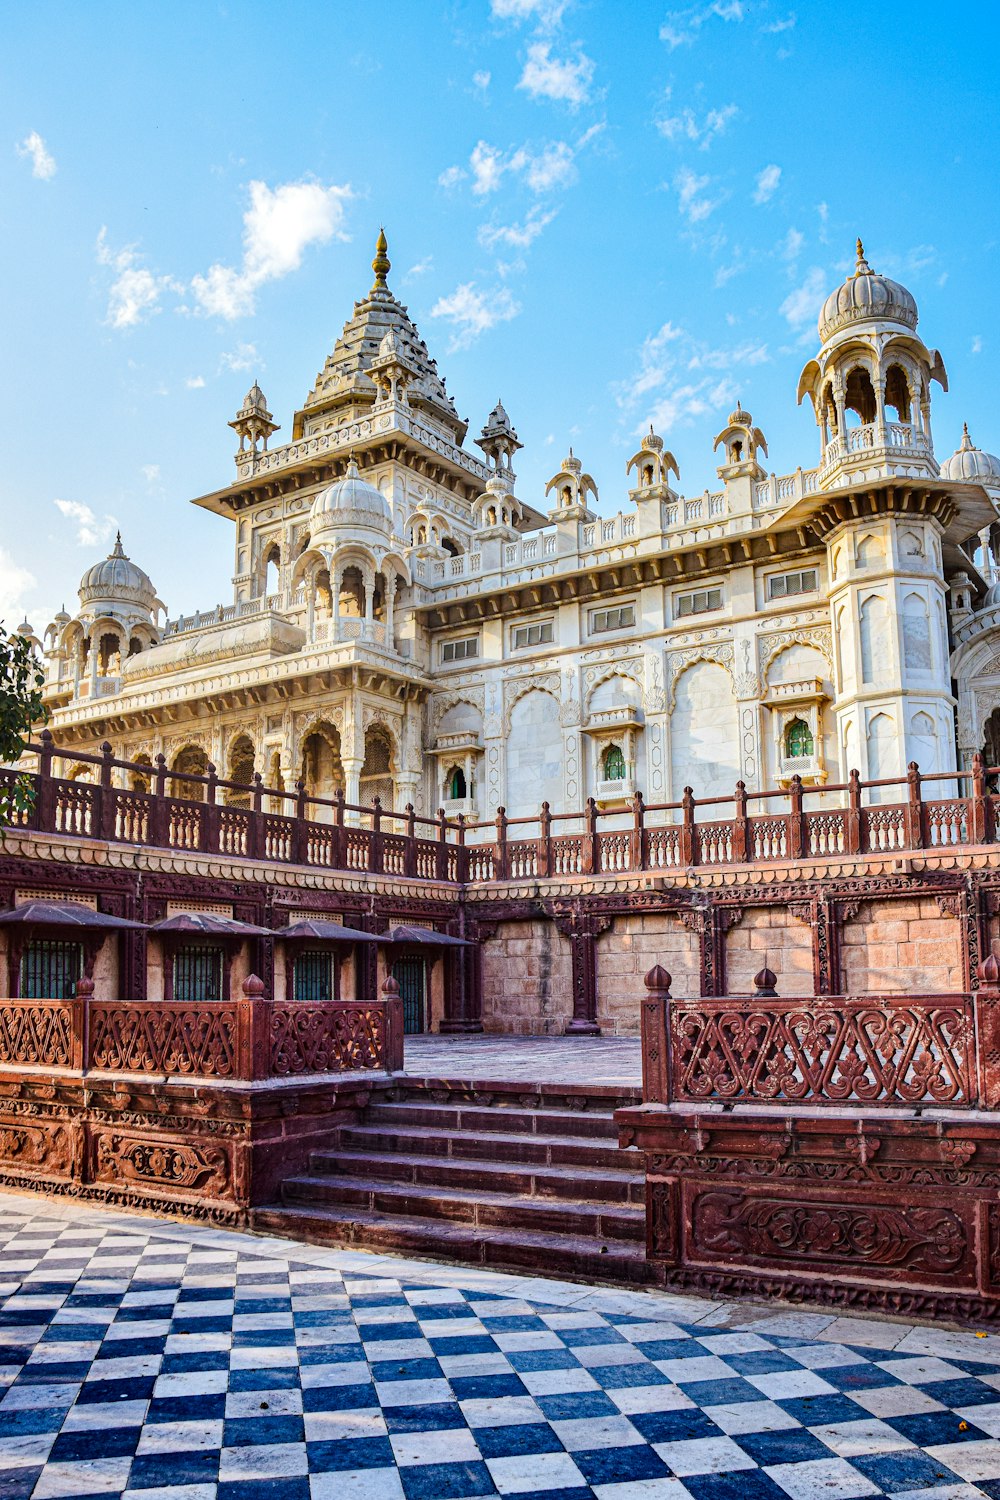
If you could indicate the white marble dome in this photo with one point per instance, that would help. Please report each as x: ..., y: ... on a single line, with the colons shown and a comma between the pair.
x: 865, y: 296
x: 118, y: 580
x: 350, y: 503
x: 970, y: 465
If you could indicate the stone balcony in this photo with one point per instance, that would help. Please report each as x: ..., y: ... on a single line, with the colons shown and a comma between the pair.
x: 875, y: 450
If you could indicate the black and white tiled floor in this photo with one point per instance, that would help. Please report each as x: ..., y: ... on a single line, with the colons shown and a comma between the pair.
x: 165, y: 1362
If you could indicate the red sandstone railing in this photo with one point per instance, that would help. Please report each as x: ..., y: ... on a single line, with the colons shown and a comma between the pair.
x: 183, y: 811
x: 766, y: 1049
x: 244, y: 1040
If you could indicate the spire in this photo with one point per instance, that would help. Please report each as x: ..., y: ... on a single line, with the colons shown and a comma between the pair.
x: 862, y: 268
x: 118, y: 549
x: 381, y: 265
x: 967, y: 444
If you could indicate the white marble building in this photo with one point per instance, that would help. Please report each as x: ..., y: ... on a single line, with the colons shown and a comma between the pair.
x: 405, y: 624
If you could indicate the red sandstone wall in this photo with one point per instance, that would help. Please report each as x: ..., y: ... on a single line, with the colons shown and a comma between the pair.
x: 527, y: 979
x: 626, y: 952
x: 769, y: 935
x: 905, y: 946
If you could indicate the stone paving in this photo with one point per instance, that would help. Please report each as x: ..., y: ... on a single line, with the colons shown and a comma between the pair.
x: 613, y: 1060
x: 161, y: 1361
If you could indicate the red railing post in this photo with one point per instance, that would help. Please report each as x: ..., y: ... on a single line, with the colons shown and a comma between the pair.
x: 410, y: 853
x: 257, y: 839
x: 462, y: 854
x: 979, y: 833
x: 655, y: 1020
x: 545, y: 821
x: 441, y: 853
x: 591, y: 852
x: 210, y: 824
x: 915, y: 830
x: 300, y: 836
x: 45, y: 804
x: 852, y: 819
x: 104, y: 822
x: 987, y: 1033
x: 741, y: 825
x: 500, y: 854
x: 637, y: 843
x: 685, y: 843
x: 376, y: 852
x: 795, y: 829
x: 159, y: 818
x: 392, y: 1059
x: 253, y: 1031
x: 338, y: 853
x: 80, y: 1007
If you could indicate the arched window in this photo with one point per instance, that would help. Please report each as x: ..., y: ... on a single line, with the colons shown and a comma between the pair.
x: 376, y: 773
x: 798, y: 740
x: 859, y: 396
x: 191, y: 761
x: 456, y: 784
x: 613, y: 763
x: 139, y: 780
x: 352, y: 593
x: 241, y: 770
x: 897, y: 394
x: 271, y: 571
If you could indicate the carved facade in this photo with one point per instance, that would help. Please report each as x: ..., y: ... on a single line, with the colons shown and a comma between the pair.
x: 405, y: 626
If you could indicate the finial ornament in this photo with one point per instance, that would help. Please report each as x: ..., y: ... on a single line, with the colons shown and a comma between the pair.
x: 381, y: 265
x: 862, y: 268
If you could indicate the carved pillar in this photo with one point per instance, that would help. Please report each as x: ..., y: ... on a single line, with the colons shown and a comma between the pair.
x: 464, y: 978
x: 583, y: 930
x: 711, y: 924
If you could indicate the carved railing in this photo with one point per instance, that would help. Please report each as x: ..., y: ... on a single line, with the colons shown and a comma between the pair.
x: 207, y: 815
x: 247, y: 1039
x: 828, y: 1050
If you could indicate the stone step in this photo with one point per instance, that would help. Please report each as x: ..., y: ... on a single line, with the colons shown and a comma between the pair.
x: 544, y: 1150
x: 483, y: 1118
x: 482, y: 1210
x: 532, y: 1181
x: 577, y: 1258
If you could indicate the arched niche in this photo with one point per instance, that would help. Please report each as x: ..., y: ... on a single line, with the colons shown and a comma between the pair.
x: 704, y: 733
x: 189, y: 761
x: 240, y: 768
x: 379, y: 764
x: 534, y: 755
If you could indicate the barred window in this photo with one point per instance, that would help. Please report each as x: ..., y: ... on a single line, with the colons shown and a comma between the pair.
x: 798, y: 740
x: 50, y: 970
x: 614, y: 763
x: 699, y: 603
x: 619, y: 618
x: 314, y: 975
x: 782, y: 585
x: 532, y: 635
x: 198, y: 974
x: 466, y: 648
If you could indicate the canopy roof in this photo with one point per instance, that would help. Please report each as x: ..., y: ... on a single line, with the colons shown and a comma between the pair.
x: 423, y: 935
x: 209, y: 924
x: 61, y: 914
x: 321, y: 930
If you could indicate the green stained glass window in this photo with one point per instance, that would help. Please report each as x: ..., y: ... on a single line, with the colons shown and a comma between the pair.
x: 798, y: 740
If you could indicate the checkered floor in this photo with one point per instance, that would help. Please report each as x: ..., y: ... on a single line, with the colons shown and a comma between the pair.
x: 162, y: 1362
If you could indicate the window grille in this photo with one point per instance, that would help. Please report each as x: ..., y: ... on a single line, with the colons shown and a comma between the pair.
x: 50, y: 970
x: 314, y: 975
x: 619, y: 618
x: 614, y: 764
x: 782, y: 585
x: 798, y: 740
x: 460, y: 650
x: 699, y: 603
x: 532, y: 635
x: 198, y: 974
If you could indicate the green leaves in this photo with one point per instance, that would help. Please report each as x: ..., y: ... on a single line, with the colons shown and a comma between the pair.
x: 21, y: 708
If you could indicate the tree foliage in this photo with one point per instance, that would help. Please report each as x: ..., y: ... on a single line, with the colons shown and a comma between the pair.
x: 21, y: 708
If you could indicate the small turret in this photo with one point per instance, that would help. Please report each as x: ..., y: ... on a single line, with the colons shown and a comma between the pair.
x: 499, y: 441
x: 253, y: 423
x: 653, y: 467
x: 741, y: 440
x: 572, y: 486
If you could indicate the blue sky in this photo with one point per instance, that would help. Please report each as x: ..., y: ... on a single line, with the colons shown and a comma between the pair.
x: 604, y: 212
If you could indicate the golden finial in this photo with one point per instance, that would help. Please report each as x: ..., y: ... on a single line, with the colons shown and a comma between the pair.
x: 381, y: 265
x: 862, y: 268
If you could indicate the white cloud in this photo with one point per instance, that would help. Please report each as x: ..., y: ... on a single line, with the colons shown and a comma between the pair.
x: 151, y: 473
x: 546, y: 14
x: 15, y: 583
x: 977, y: 344
x: 472, y: 313
x: 792, y: 247
x: 681, y: 27
x: 774, y: 28
x: 767, y: 184
x: 421, y: 268
x: 243, y: 357
x: 685, y: 125
x: 678, y: 378
x: 195, y: 382
x: 692, y: 199
x: 43, y: 163
x: 135, y: 291
x: 481, y: 80
x: 804, y: 303
x: 566, y: 80
x: 517, y: 236
x: 451, y: 177
x: 278, y: 227
x: 551, y: 166
x: 91, y: 530
x: 488, y: 165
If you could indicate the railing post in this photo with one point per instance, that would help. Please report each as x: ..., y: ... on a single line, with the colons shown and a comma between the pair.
x: 338, y: 853
x: 655, y: 1020
x: 253, y: 1031
x: 986, y: 1000
x: 410, y: 854
x: 105, y: 820
x: 852, y: 820
x: 637, y: 843
x: 80, y: 1060
x: 375, y: 850
x: 979, y: 833
x: 300, y: 836
x: 159, y: 820
x: 257, y: 839
x: 500, y: 856
x: 210, y: 823
x: 915, y: 832
x: 441, y: 861
x: 795, y: 828
x: 591, y: 862
x: 392, y: 1059
x: 741, y: 825
x: 462, y: 855
x: 545, y: 820
x: 45, y: 805
x: 686, y: 840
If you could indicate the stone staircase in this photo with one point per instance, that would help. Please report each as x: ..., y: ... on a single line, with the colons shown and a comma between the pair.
x: 525, y: 1177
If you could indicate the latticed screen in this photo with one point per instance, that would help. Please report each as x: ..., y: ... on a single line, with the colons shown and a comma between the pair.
x: 50, y: 970
x: 314, y: 975
x: 798, y: 740
x: 198, y: 974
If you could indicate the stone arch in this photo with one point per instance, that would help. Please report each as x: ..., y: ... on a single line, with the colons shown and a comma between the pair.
x: 814, y: 641
x: 869, y: 550
x: 917, y: 655
x: 191, y: 760
x: 519, y: 687
x: 704, y: 731
x: 458, y: 715
x: 534, y: 752
x: 240, y: 766
x: 379, y: 766
x: 141, y: 779
x: 615, y: 692
x: 321, y: 768
x: 720, y: 656
x: 872, y: 627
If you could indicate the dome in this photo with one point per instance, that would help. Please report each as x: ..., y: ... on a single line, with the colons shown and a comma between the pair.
x: 865, y: 296
x: 117, y: 578
x: 970, y: 465
x: 350, y: 502
x: 992, y: 596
